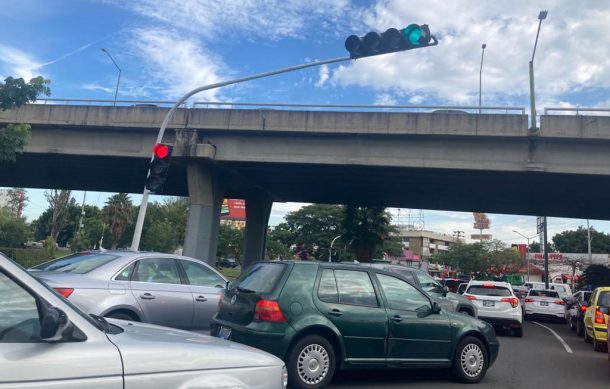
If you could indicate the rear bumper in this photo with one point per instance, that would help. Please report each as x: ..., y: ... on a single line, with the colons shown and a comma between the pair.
x: 273, y: 342
x: 494, y: 350
x: 502, y: 322
x: 600, y: 333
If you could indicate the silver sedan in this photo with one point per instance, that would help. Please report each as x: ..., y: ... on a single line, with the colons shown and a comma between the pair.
x: 155, y: 288
x: 46, y: 342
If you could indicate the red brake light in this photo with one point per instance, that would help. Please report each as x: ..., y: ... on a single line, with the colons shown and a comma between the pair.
x: 64, y: 292
x: 470, y: 297
x: 559, y: 302
x: 528, y: 300
x: 599, y: 317
x: 160, y: 150
x: 583, y: 308
x: 488, y: 285
x: 269, y: 310
x: 514, y: 302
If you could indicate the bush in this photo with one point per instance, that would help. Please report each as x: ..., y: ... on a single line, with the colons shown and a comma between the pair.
x: 30, y: 257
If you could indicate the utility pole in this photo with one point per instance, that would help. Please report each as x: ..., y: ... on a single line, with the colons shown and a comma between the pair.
x: 481, y: 74
x: 589, y: 243
x: 82, y: 214
x: 458, y: 234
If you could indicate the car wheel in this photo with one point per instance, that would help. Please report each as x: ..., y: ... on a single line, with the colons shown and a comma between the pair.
x: 588, y: 339
x: 121, y: 316
x: 465, y: 312
x: 470, y: 361
x: 571, y: 323
x: 311, y: 363
x: 598, y: 346
x: 580, y: 331
x: 518, y: 332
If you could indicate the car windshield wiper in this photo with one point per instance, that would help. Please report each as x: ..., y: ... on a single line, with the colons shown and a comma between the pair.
x: 245, y: 290
x: 101, y: 322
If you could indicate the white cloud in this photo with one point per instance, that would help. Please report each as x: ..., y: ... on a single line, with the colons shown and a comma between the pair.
x: 16, y: 63
x: 323, y: 76
x: 385, y: 99
x: 96, y: 87
x: 417, y: 99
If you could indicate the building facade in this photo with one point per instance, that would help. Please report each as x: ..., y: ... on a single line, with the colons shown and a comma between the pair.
x: 425, y: 244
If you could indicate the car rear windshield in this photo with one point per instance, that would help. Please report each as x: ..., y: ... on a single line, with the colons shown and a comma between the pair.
x: 260, y: 278
x: 604, y: 299
x: 483, y: 290
x: 544, y: 293
x: 77, y: 263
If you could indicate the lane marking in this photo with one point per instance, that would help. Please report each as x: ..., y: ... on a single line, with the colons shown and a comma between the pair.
x: 565, y: 345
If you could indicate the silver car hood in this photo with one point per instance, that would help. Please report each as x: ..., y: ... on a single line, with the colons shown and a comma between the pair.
x: 149, y: 348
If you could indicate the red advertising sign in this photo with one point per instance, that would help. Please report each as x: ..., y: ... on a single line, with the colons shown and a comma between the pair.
x: 233, y: 209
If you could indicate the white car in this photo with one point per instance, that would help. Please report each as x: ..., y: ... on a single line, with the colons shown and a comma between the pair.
x: 544, y: 303
x: 564, y: 290
x: 47, y: 342
x: 497, y: 304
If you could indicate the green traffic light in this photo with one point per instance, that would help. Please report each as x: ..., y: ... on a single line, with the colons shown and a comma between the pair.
x: 413, y: 34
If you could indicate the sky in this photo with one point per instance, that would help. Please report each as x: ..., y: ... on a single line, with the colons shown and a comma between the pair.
x: 165, y: 48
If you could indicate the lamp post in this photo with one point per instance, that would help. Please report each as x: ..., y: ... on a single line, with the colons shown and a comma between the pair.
x: 526, y: 252
x: 330, y: 249
x: 483, y: 46
x: 118, y: 81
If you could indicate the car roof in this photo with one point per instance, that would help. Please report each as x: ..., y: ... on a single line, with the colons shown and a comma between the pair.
x: 496, y: 283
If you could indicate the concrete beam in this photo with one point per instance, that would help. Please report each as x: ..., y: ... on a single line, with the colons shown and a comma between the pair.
x: 258, y: 209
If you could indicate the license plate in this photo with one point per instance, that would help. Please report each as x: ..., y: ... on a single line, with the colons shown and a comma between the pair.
x: 544, y: 304
x: 488, y: 303
x: 224, y: 333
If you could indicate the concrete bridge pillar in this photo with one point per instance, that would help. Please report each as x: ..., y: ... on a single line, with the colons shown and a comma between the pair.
x: 205, y: 199
x: 258, y: 208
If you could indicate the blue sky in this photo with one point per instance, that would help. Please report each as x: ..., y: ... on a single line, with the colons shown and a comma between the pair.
x: 166, y: 48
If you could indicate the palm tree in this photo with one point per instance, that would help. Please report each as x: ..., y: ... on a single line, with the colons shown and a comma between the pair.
x: 117, y: 215
x: 365, y: 228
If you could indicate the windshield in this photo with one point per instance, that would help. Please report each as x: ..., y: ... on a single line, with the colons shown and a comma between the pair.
x: 260, y: 278
x: 77, y: 263
x: 604, y: 299
x: 544, y: 293
x: 481, y: 290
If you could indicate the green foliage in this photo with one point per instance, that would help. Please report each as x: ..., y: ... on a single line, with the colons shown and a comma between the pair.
x: 50, y: 246
x: 13, y: 230
x: 230, y: 241
x: 15, y: 92
x: 365, y: 229
x: 534, y: 247
x: 29, y: 257
x: 481, y: 257
x: 575, y: 241
x: 60, y: 201
x: 279, y: 240
x: 595, y: 276
x: 164, y: 227
x: 118, y: 213
x: 312, y: 227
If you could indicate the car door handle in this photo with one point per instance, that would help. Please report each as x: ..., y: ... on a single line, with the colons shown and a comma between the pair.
x: 201, y: 298
x: 335, y: 312
x: 147, y: 296
x: 396, y: 318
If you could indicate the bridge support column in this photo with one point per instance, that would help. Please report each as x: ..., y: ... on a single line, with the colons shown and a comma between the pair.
x: 205, y: 199
x: 258, y: 208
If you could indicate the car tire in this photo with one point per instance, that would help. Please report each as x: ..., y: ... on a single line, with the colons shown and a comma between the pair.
x: 470, y: 361
x: 571, y: 323
x: 465, y: 312
x: 588, y: 339
x: 518, y: 332
x: 121, y: 316
x: 599, y: 346
x: 580, y: 330
x: 311, y: 363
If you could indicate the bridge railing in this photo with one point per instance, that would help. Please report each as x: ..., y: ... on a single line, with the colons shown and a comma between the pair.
x: 589, y: 111
x: 104, y: 102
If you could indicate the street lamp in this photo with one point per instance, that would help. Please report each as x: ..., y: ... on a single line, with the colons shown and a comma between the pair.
x: 527, y: 252
x: 118, y: 81
x: 330, y: 249
x: 483, y: 46
x: 541, y: 17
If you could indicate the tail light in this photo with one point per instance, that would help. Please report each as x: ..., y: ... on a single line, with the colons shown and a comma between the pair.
x: 470, y: 297
x: 599, y: 317
x: 559, y: 302
x: 514, y: 302
x: 529, y: 300
x: 64, y: 292
x: 269, y: 310
x: 488, y: 285
x: 583, y: 308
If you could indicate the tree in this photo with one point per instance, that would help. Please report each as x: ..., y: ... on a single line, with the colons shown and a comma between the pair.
x: 501, y: 257
x: 59, y: 202
x: 164, y: 227
x: 17, y: 198
x: 365, y: 229
x: 15, y: 92
x: 13, y: 230
x: 534, y: 247
x: 230, y: 241
x: 595, y: 276
x: 118, y: 213
x: 575, y: 241
x: 314, y: 226
x: 469, y: 258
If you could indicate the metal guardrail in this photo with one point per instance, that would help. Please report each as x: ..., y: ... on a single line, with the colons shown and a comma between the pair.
x: 576, y: 109
x: 196, y: 104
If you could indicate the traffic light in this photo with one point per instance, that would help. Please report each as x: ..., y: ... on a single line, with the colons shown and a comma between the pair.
x: 414, y: 36
x: 157, y: 171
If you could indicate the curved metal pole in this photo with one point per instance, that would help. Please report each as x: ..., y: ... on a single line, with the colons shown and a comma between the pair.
x: 135, y: 243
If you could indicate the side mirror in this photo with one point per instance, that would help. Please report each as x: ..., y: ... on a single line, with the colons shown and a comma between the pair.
x: 55, y: 325
x: 445, y: 290
x: 435, y: 307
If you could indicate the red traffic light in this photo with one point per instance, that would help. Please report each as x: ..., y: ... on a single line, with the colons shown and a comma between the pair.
x: 160, y: 150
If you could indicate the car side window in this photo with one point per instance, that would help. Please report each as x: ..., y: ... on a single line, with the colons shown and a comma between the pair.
x: 125, y: 274
x: 327, y: 290
x: 401, y: 295
x: 201, y: 275
x: 355, y: 288
x: 19, y: 319
x: 428, y: 283
x: 157, y: 270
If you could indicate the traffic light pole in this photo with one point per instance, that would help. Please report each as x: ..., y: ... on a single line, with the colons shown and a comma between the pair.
x: 135, y: 243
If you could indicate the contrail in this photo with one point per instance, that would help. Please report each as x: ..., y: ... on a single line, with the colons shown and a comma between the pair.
x: 84, y: 47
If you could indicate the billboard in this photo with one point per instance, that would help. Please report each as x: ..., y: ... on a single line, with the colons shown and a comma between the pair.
x: 233, y: 209
x: 481, y: 221
x: 480, y: 237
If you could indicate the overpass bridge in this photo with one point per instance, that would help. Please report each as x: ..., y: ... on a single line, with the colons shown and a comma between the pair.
x: 445, y: 161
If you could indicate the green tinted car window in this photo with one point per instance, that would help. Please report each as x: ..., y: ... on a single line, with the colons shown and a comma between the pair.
x: 401, y: 295
x: 355, y: 288
x: 327, y: 291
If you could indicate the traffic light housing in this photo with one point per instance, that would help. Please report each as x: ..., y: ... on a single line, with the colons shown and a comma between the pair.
x: 414, y: 36
x: 157, y: 171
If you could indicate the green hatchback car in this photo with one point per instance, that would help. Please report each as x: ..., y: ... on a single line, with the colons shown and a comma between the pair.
x: 319, y: 317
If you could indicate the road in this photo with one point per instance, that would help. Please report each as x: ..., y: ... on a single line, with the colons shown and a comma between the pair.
x: 538, y: 360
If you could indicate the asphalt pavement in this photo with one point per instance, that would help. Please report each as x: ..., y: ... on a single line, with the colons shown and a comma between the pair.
x: 538, y: 360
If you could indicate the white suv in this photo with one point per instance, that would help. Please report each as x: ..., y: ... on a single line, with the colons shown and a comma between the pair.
x: 497, y: 304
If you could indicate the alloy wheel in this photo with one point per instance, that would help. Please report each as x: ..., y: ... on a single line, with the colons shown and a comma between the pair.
x: 472, y: 360
x: 313, y: 364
